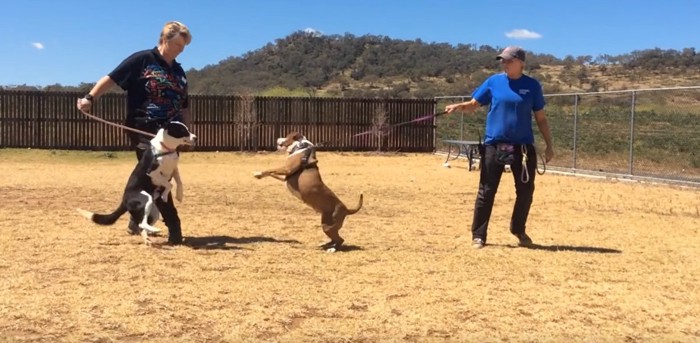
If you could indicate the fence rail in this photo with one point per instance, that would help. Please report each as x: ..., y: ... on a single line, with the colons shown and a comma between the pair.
x: 49, y: 120
x: 646, y: 133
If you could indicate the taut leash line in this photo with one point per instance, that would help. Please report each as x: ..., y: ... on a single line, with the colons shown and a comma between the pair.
x: 116, y: 125
x: 387, y: 129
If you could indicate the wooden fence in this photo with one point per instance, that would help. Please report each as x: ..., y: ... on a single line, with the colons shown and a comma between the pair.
x: 50, y: 120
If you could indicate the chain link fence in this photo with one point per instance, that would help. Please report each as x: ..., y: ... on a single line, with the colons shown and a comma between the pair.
x: 640, y: 134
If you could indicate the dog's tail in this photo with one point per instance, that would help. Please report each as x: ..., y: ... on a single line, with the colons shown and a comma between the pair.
x: 104, y: 219
x: 359, y: 206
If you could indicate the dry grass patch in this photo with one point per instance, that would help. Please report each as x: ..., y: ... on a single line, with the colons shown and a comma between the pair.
x: 614, y: 262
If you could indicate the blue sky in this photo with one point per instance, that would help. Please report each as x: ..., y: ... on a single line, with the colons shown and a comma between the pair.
x: 50, y: 41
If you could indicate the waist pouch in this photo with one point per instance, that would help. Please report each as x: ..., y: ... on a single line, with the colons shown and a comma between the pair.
x: 148, y: 124
x: 505, y: 153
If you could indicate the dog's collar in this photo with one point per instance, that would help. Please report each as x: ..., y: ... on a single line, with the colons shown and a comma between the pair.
x: 167, y: 148
x: 160, y: 154
x: 167, y: 151
x: 310, y: 151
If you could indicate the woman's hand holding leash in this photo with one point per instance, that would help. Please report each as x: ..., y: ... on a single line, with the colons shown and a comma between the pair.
x: 548, y: 153
x: 468, y: 106
x: 84, y: 104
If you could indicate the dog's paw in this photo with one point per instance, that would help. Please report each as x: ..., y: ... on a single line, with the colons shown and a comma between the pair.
x: 148, y: 228
x: 179, y: 194
x: 258, y: 175
x: 146, y: 239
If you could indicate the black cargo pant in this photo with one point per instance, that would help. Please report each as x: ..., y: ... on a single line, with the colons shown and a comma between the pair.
x: 167, y: 209
x: 491, y: 172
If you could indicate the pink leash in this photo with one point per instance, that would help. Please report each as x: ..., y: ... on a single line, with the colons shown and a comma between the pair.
x: 116, y: 125
x: 401, y: 124
x: 390, y: 127
x: 419, y: 119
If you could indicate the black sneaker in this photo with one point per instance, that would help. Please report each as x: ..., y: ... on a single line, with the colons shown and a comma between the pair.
x: 524, y: 240
x: 478, y: 243
x: 175, y: 241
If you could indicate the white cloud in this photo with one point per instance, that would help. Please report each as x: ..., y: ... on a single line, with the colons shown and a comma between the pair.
x: 523, y: 34
x: 38, y: 45
x: 313, y: 32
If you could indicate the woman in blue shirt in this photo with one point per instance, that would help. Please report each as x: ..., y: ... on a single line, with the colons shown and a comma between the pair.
x: 513, y: 99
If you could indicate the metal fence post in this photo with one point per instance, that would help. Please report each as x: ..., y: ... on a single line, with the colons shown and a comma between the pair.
x: 575, y: 126
x: 435, y: 124
x: 631, y: 157
x: 461, y: 123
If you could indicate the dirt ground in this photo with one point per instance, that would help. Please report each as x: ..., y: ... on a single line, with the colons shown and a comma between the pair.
x: 614, y: 261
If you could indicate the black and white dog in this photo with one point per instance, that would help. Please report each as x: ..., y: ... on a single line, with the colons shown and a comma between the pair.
x: 151, y: 179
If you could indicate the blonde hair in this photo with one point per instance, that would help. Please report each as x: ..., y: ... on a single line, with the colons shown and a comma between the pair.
x: 172, y: 29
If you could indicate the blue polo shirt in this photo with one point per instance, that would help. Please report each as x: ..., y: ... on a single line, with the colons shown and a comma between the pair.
x: 512, y: 103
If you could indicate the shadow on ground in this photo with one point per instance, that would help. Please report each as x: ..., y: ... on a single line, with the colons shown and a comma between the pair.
x: 567, y: 248
x: 220, y: 242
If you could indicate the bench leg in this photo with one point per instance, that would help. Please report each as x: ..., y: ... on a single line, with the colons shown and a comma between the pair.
x: 449, y: 152
x: 470, y: 154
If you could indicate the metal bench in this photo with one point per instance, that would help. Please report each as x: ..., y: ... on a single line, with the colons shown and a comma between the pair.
x: 470, y: 149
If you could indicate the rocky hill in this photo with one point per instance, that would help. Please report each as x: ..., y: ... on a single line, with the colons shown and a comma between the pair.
x: 311, y: 64
x: 306, y: 63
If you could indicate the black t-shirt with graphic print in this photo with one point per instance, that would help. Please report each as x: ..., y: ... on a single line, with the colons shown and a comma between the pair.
x: 156, y: 92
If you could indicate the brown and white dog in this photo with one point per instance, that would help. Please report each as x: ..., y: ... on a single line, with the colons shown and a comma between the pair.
x: 303, y: 179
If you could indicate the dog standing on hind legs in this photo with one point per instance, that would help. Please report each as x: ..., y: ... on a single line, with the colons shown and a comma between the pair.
x: 303, y: 179
x: 150, y: 180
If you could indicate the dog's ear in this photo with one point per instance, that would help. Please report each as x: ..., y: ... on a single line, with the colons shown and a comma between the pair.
x: 291, y: 138
x: 295, y: 136
x: 176, y: 129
